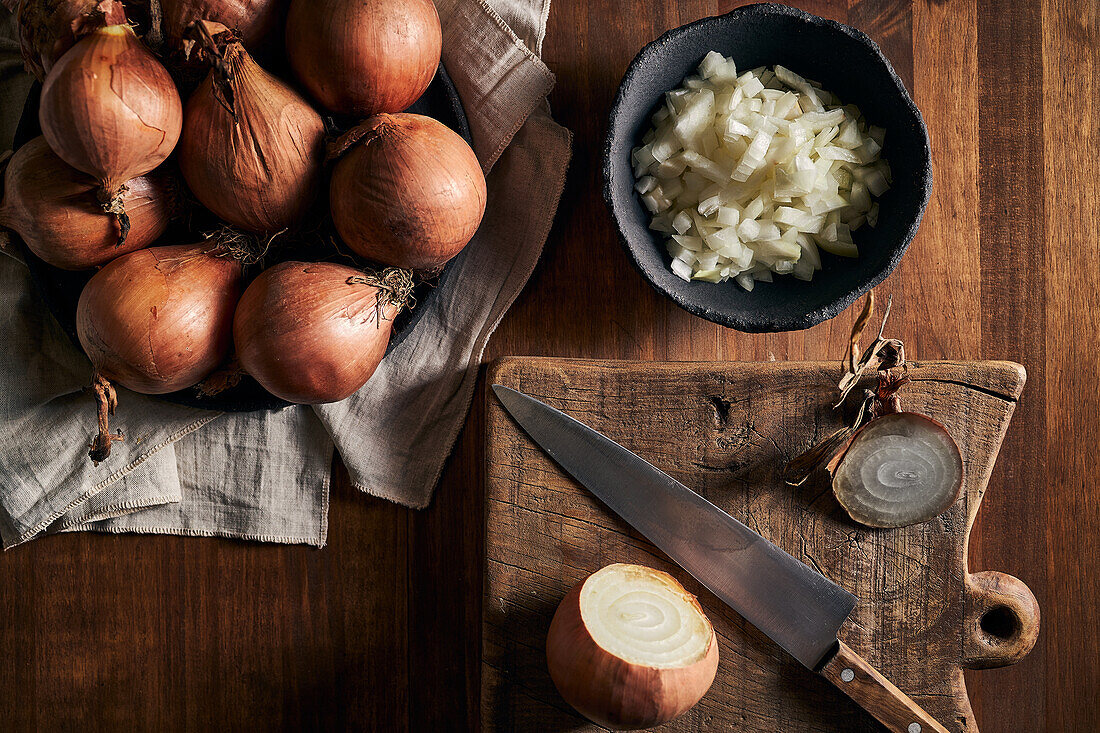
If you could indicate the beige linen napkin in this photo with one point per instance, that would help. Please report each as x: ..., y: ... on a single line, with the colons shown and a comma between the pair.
x: 264, y: 476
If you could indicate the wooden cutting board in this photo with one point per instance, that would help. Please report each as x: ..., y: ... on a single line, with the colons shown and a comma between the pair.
x: 726, y: 430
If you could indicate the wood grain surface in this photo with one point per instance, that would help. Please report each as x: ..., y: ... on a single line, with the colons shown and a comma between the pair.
x: 380, y: 630
x: 728, y: 430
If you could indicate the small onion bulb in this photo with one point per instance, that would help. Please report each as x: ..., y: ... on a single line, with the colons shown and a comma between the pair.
x: 314, y: 332
x: 109, y: 108
x: 156, y: 320
x: 898, y: 469
x: 49, y: 28
x: 629, y: 648
x: 409, y: 192
x: 364, y: 57
x: 257, y: 21
x: 252, y: 148
x: 53, y: 207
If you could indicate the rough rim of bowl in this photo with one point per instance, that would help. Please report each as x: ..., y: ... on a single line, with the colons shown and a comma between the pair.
x: 840, y: 304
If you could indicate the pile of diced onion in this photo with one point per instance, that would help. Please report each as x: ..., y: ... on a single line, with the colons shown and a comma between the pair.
x: 749, y: 175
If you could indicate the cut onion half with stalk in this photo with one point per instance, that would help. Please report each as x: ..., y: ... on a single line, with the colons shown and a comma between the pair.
x: 899, y: 469
x: 629, y: 648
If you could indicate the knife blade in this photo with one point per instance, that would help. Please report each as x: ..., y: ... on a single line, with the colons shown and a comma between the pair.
x: 797, y: 607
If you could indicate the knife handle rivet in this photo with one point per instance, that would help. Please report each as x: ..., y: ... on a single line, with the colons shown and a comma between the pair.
x: 848, y: 675
x: 914, y: 728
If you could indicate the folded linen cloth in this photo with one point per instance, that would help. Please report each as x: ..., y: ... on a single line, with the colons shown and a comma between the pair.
x: 265, y: 475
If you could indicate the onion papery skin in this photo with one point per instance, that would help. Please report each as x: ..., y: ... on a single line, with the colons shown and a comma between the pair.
x: 610, y: 690
x: 409, y: 193
x: 258, y: 22
x: 876, y: 476
x: 364, y: 57
x: 261, y: 171
x: 54, y: 209
x: 109, y: 108
x: 160, y: 319
x: 308, y: 335
x: 49, y: 28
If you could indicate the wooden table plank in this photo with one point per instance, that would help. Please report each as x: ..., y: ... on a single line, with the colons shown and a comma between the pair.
x: 111, y: 632
x: 1069, y: 501
x: 1010, y: 126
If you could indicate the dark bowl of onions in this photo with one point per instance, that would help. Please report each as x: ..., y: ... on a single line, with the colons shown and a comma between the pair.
x: 61, y: 287
x: 766, y: 167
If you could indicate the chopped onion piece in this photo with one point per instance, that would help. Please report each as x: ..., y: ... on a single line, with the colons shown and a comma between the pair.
x: 876, y: 183
x: 709, y: 205
x: 728, y: 216
x: 682, y: 269
x: 645, y: 184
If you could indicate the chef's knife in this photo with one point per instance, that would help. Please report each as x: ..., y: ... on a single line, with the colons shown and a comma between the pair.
x: 797, y: 607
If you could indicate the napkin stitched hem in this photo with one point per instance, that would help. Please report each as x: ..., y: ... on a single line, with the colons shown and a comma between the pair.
x: 41, y: 526
x: 117, y: 510
x: 539, y: 65
x: 190, y: 532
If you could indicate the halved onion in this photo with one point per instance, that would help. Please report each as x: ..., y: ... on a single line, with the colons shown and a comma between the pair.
x: 630, y: 648
x: 899, y: 469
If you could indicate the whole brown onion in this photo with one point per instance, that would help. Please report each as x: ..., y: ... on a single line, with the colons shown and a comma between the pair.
x: 364, y: 57
x: 256, y: 21
x: 53, y: 208
x: 408, y: 193
x: 109, y: 108
x: 315, y: 332
x: 155, y: 321
x: 49, y: 28
x: 252, y: 148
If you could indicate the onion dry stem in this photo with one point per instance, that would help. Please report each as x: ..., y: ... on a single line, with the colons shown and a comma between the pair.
x: 106, y: 401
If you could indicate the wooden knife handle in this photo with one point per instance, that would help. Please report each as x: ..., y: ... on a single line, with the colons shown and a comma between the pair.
x: 877, y: 695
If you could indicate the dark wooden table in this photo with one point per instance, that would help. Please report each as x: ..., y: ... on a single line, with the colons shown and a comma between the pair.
x: 380, y: 629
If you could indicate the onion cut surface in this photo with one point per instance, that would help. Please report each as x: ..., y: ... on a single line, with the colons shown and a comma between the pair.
x: 899, y: 469
x: 749, y: 175
x: 630, y: 648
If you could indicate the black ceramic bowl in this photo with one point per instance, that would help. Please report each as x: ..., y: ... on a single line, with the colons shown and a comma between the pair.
x: 848, y: 64
x: 61, y: 289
